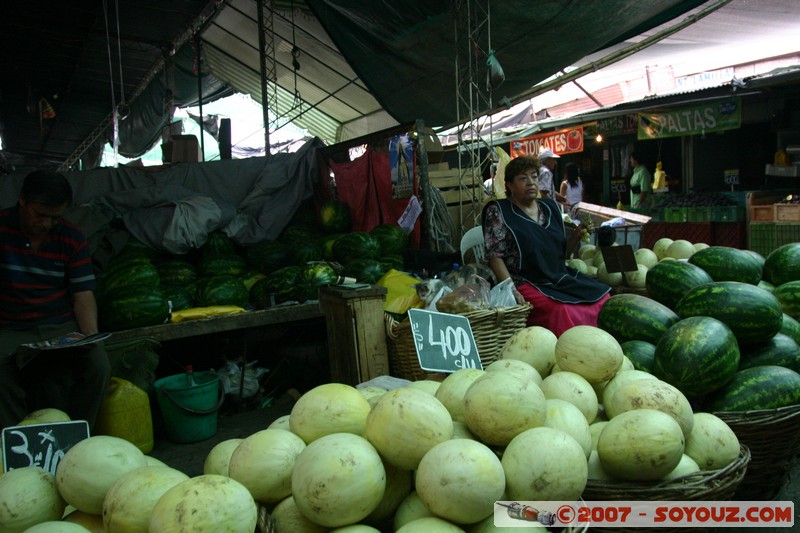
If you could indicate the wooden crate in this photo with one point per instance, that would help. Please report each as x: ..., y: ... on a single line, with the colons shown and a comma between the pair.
x: 356, y: 333
x: 787, y: 212
x: 464, y: 202
x: 762, y: 213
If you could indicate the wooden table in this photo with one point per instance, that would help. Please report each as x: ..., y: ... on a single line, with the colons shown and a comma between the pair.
x: 248, y: 319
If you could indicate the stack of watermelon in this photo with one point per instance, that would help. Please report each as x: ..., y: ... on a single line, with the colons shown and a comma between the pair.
x: 141, y: 286
x: 723, y: 327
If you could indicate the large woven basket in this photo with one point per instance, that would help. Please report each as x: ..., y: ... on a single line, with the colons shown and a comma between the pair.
x: 701, y: 486
x: 490, y: 327
x: 773, y: 436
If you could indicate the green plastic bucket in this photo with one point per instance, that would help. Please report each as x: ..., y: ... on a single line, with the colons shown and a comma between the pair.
x: 190, y: 410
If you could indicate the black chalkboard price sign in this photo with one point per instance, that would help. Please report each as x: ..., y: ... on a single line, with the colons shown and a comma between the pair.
x: 41, y: 445
x: 444, y: 342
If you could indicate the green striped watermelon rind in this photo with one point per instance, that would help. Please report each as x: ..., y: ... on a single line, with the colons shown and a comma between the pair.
x: 631, y: 316
x: 221, y: 290
x: 668, y: 281
x: 724, y: 263
x: 697, y: 355
x: 782, y: 265
x: 640, y: 353
x: 752, y: 313
x: 780, y: 350
x: 791, y: 327
x: 134, y: 307
x: 788, y: 294
x: 755, y: 389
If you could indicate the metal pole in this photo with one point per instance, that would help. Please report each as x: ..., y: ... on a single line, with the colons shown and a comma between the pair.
x: 262, y: 57
x: 198, y: 51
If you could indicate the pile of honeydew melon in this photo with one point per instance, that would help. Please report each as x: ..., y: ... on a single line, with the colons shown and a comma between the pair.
x: 429, y: 456
x: 590, y: 261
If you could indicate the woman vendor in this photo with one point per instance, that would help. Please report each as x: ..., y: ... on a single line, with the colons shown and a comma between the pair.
x: 525, y: 239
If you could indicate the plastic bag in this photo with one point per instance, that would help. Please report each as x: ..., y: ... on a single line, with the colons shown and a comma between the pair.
x: 401, y: 293
x: 465, y: 298
x: 502, y: 294
x: 231, y: 377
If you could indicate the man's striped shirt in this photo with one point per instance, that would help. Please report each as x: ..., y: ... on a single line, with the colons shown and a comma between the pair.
x: 36, y: 287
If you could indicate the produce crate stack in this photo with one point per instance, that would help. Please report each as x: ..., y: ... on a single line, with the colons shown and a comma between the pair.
x: 761, y: 238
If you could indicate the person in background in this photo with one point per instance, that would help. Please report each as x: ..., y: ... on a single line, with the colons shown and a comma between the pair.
x: 641, y: 184
x: 46, y: 291
x: 548, y: 161
x: 572, y: 186
x: 525, y: 239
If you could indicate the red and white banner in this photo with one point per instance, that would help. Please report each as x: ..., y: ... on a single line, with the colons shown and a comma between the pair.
x: 568, y: 141
x: 623, y: 514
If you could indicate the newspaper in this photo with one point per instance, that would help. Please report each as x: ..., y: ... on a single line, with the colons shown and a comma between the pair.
x: 28, y: 351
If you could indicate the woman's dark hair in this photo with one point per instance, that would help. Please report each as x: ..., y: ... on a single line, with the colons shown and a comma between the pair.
x: 571, y: 173
x: 635, y: 157
x: 520, y: 165
x: 47, y: 188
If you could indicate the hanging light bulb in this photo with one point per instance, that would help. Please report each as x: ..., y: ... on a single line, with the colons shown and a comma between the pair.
x: 599, y: 138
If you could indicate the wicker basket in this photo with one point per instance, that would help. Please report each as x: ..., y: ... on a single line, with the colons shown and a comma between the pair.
x: 773, y: 436
x: 716, y: 485
x: 490, y: 327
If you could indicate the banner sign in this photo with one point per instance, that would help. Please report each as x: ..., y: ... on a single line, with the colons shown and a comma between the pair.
x: 696, y: 120
x: 619, y: 125
x: 568, y: 141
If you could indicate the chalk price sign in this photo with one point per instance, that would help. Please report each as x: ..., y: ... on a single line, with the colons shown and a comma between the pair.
x: 42, y: 445
x: 444, y: 342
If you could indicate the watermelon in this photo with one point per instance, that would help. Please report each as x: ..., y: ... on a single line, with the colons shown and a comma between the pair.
x: 390, y: 262
x: 276, y: 288
x: 312, y: 277
x: 697, y: 355
x: 137, y: 274
x: 780, y: 350
x: 217, y: 243
x: 178, y: 296
x: 133, y: 306
x: 392, y: 237
x: 791, y: 328
x: 724, y: 263
x: 356, y: 245
x: 221, y: 265
x: 668, y: 281
x: 221, y: 290
x: 334, y: 217
x: 327, y: 245
x: 756, y: 388
x: 364, y: 270
x: 631, y: 316
x: 302, y: 252
x: 267, y: 256
x: 176, y: 272
x: 788, y: 294
x: 783, y: 264
x: 250, y: 277
x: 135, y: 247
x: 293, y: 234
x: 640, y: 353
x: 753, y: 314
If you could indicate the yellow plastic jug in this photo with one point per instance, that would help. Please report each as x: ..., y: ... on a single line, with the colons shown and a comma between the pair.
x: 125, y: 413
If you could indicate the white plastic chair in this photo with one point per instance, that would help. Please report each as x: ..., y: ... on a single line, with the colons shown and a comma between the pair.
x: 473, y: 240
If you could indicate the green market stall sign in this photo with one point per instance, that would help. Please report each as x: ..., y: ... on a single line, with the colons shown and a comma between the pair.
x: 695, y: 120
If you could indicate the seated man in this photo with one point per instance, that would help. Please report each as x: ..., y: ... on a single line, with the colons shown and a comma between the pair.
x: 47, y: 290
x: 525, y: 239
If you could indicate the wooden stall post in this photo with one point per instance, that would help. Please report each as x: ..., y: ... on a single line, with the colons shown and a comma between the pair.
x: 356, y: 332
